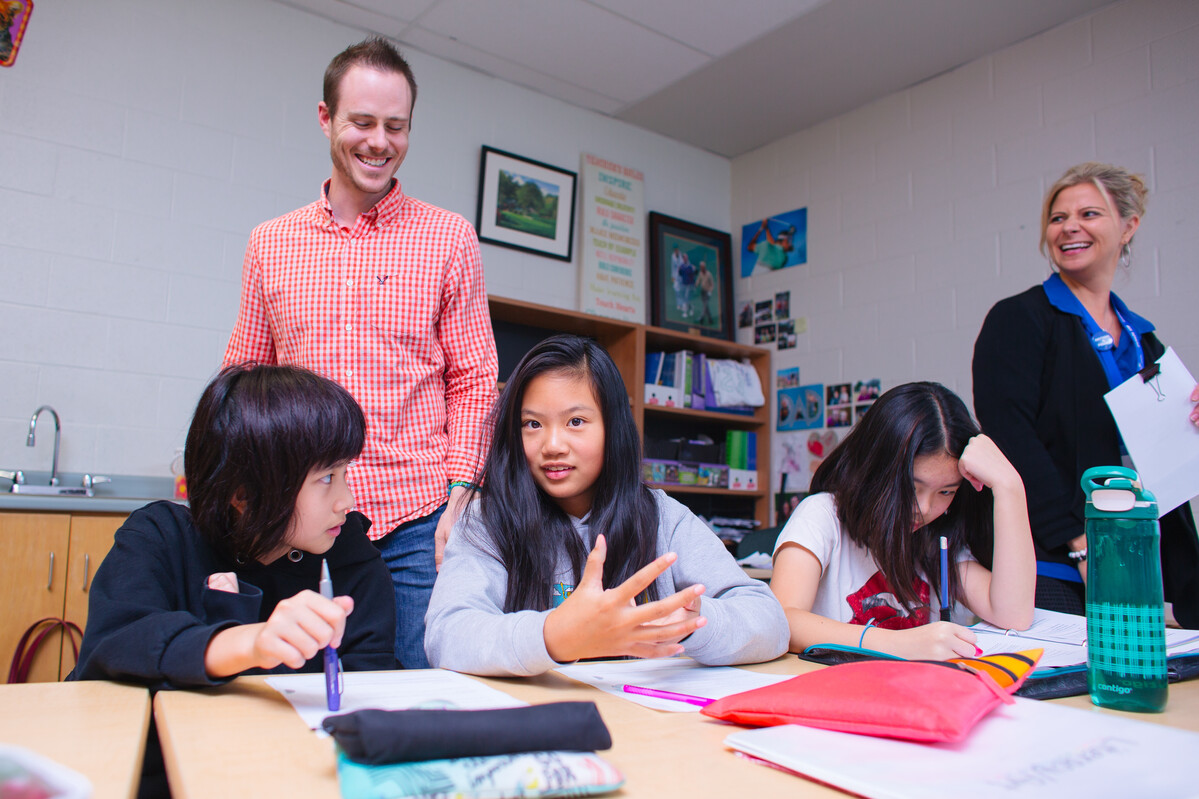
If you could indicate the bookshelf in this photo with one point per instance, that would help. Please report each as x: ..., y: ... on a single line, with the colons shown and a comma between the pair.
x: 518, y: 325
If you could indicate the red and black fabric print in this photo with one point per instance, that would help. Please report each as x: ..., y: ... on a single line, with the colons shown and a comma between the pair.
x: 875, y: 601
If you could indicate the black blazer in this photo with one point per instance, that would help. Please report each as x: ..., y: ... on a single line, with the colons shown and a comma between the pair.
x: 1038, y: 392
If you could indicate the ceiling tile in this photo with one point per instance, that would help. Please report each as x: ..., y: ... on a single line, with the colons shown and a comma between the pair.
x: 353, y: 16
x: 577, y: 42
x: 403, y: 10
x: 715, y: 27
x: 464, y: 54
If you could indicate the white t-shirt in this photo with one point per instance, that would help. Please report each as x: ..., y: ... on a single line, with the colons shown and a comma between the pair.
x: 852, y: 589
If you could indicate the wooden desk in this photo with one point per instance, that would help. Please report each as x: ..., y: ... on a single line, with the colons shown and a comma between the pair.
x: 96, y: 728
x: 244, y: 739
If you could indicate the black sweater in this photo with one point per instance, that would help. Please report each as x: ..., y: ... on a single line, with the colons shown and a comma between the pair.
x: 151, y: 614
x: 1038, y: 392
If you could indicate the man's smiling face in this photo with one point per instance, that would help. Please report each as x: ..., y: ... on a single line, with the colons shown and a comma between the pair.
x: 368, y: 134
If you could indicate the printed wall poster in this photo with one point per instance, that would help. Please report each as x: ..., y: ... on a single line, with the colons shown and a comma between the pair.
x: 801, y: 408
x: 774, y: 243
x: 612, y: 277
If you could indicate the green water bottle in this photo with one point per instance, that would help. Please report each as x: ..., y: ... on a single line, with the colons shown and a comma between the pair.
x: 1126, y: 619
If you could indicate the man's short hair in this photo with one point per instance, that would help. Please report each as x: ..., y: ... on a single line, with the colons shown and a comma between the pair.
x: 376, y: 53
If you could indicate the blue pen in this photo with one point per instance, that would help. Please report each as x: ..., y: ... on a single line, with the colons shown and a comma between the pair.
x: 944, y: 578
x: 332, y: 664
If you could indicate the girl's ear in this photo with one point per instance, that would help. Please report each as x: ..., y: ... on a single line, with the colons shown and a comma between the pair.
x: 239, y: 501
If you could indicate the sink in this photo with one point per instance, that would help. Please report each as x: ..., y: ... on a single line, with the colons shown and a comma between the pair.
x: 52, y: 491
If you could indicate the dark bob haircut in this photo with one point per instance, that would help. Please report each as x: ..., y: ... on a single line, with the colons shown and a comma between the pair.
x: 257, y: 432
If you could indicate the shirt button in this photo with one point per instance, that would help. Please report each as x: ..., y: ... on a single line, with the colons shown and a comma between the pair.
x: 349, y: 372
x: 350, y: 283
x: 349, y: 327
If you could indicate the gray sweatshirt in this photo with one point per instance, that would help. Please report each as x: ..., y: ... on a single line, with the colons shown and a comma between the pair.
x: 467, y: 630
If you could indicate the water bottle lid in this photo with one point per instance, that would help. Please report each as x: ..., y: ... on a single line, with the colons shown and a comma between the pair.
x: 1116, y: 492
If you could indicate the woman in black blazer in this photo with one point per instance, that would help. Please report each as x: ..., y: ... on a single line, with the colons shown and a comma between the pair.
x: 1042, y: 363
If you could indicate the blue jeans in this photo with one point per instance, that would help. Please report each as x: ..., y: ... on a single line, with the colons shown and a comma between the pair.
x: 408, y: 552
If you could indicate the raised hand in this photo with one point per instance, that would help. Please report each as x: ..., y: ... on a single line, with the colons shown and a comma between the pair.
x: 598, y: 622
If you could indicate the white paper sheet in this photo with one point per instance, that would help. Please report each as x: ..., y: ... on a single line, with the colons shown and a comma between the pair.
x: 1063, y: 636
x: 680, y: 675
x: 1154, y: 421
x: 389, y: 690
x: 1029, y: 750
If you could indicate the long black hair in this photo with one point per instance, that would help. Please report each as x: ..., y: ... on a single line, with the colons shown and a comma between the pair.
x: 257, y: 433
x: 527, y: 529
x: 870, y: 474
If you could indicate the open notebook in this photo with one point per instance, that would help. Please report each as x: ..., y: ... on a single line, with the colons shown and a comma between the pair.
x: 1063, y: 636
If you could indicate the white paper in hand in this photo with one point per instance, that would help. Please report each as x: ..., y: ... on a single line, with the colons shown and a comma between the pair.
x: 1154, y: 421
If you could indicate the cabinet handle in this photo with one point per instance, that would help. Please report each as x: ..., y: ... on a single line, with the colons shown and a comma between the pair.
x: 87, y: 569
x: 50, y: 576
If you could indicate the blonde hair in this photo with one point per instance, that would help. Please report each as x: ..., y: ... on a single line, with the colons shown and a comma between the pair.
x: 1124, y: 192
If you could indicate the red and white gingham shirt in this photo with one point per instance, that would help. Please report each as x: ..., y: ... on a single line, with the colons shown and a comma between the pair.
x: 395, y: 310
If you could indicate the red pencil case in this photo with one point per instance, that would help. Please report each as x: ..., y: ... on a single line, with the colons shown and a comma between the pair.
x: 913, y: 700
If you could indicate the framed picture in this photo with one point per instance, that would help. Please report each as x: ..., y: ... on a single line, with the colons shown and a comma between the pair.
x: 526, y: 205
x: 690, y: 277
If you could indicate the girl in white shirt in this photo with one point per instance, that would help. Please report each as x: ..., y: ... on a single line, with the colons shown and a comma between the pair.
x: 859, y: 561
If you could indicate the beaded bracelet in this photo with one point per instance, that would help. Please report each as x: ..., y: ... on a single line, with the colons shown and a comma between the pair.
x: 1077, y: 555
x: 459, y: 484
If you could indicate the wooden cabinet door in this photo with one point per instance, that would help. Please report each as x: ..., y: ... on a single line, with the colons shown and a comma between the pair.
x: 33, y: 564
x: 91, y: 538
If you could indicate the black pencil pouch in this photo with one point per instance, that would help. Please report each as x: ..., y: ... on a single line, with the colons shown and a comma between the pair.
x: 377, y: 737
x: 1072, y: 680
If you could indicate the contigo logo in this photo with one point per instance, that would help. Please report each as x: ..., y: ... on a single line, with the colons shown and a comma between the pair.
x: 1115, y: 689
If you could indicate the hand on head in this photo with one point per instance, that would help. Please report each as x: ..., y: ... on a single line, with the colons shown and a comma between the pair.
x: 983, y: 464
x: 598, y: 622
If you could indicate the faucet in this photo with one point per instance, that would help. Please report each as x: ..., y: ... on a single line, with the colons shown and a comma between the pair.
x: 30, y: 440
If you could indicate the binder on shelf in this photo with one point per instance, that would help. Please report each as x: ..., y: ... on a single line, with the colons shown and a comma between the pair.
x: 698, y: 370
x: 741, y: 449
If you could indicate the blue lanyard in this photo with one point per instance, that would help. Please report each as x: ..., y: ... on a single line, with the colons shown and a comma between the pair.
x: 1101, y: 341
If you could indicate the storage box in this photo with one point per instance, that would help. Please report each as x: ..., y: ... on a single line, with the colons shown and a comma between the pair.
x: 688, y: 473
x: 663, y: 395
x: 700, y: 452
x: 743, y: 479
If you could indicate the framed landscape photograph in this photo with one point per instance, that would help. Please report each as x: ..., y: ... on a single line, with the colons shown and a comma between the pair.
x: 690, y: 277
x: 526, y: 205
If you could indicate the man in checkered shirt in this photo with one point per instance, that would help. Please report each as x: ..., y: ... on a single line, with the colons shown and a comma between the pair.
x: 384, y: 294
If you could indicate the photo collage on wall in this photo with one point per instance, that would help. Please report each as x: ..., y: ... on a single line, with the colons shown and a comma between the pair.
x: 771, y: 321
x: 811, y: 420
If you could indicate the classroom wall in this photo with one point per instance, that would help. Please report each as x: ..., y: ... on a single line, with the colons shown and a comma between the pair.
x: 141, y: 140
x: 923, y: 207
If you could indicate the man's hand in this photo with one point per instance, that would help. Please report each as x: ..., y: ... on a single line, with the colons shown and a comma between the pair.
x: 453, y: 510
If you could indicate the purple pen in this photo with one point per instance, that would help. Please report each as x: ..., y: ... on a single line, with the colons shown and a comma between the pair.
x: 332, y: 664
x: 658, y: 693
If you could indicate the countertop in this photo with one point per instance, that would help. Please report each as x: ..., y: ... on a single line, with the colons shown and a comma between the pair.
x: 125, y: 494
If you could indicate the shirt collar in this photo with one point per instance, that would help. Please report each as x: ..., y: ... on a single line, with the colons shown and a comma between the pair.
x: 1063, y: 299
x: 381, y: 213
